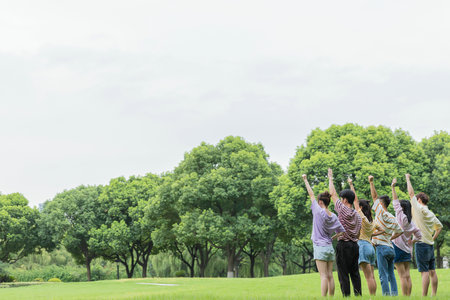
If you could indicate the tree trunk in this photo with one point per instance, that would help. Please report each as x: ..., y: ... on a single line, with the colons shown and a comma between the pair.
x: 88, y: 269
x: 144, y: 268
x: 438, y: 256
x: 252, y: 266
x: 192, y: 266
x: 230, y: 258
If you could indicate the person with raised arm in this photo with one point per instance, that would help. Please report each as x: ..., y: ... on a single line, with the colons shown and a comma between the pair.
x: 403, y: 244
x: 347, y: 250
x: 369, y: 228
x: 428, y: 224
x: 382, y: 242
x: 325, y: 225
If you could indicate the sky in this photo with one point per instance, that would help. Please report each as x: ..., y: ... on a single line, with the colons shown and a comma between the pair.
x: 93, y: 90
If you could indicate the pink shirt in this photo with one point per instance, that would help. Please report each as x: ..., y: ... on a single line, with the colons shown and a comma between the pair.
x: 408, y: 229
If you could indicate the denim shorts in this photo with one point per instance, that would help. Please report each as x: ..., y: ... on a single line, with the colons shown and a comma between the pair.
x: 400, y: 255
x: 325, y: 253
x: 366, y: 253
x: 425, y: 257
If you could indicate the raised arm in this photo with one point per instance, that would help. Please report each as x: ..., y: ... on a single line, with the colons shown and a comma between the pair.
x: 308, y: 188
x: 356, y: 202
x: 394, y: 193
x: 333, y: 193
x: 409, y: 186
x: 373, y: 191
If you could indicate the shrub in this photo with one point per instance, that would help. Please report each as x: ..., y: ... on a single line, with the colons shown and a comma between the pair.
x: 38, y: 279
x: 6, y: 278
x: 180, y: 273
x: 54, y: 279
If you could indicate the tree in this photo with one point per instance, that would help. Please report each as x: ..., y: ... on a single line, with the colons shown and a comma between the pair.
x: 126, y: 234
x: 70, y: 216
x: 356, y: 152
x: 227, y: 185
x: 19, y: 234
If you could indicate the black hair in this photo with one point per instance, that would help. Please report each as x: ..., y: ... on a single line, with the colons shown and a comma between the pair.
x: 365, y: 208
x: 385, y: 199
x: 406, y: 206
x: 347, y: 194
x: 325, y: 198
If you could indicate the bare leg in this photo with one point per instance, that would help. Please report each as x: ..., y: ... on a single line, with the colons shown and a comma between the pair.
x: 434, y: 282
x: 330, y: 278
x: 322, y: 267
x: 425, y: 283
x: 368, y: 273
x: 407, y: 266
x: 405, y: 279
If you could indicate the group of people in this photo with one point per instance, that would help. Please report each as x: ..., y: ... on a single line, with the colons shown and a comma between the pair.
x: 365, y: 241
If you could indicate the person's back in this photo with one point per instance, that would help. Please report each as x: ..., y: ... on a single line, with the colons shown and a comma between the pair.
x: 428, y: 223
x: 347, y: 250
x: 384, y: 248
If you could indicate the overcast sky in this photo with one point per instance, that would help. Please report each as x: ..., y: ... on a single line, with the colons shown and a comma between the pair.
x: 92, y: 90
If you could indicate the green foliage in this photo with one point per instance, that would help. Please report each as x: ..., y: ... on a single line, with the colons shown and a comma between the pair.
x: 6, y: 278
x: 39, y: 279
x: 180, y: 273
x: 216, y: 195
x: 126, y: 234
x: 70, y: 217
x: 18, y: 228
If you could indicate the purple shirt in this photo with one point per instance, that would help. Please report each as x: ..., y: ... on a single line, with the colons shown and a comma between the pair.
x: 351, y: 221
x: 409, y: 229
x: 324, y: 226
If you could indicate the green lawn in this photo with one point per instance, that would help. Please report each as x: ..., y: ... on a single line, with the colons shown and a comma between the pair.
x: 283, y: 287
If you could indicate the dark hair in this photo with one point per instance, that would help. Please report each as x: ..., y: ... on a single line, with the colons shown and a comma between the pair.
x: 423, y: 197
x: 325, y: 198
x: 406, y: 206
x: 365, y: 208
x: 347, y: 194
x: 385, y: 200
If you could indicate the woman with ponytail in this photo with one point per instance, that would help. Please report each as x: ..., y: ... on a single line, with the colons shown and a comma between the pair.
x: 403, y: 244
x: 369, y: 228
x: 325, y: 224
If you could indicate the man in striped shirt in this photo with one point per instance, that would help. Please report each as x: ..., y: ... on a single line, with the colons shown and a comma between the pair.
x: 382, y: 242
x: 347, y: 250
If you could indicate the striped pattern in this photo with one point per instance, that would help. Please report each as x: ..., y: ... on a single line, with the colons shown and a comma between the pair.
x: 351, y: 221
x: 387, y: 222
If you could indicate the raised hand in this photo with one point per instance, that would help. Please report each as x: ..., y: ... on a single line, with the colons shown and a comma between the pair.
x: 370, y: 178
x: 394, y: 182
x: 304, y: 177
x: 330, y: 173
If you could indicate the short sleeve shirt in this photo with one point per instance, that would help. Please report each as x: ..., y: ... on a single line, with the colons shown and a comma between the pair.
x: 426, y: 220
x: 351, y: 221
x: 324, y: 225
x: 387, y: 222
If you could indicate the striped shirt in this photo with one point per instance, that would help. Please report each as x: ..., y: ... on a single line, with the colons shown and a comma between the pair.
x: 367, y: 228
x: 351, y: 221
x: 387, y: 222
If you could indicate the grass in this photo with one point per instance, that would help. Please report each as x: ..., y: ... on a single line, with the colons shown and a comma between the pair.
x: 305, y: 286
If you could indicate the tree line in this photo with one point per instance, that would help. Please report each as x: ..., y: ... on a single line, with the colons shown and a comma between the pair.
x: 226, y: 199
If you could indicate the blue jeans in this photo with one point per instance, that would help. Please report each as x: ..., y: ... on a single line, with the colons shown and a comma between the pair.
x: 385, y: 260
